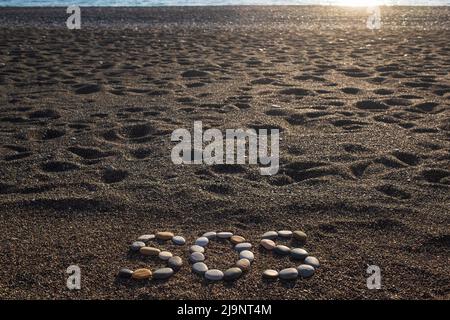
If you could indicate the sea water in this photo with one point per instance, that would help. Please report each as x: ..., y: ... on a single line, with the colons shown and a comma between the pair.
x: 153, y: 3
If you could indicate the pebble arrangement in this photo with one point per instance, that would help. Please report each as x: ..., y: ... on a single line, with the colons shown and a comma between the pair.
x: 142, y: 245
x: 305, y: 270
x: 242, y: 247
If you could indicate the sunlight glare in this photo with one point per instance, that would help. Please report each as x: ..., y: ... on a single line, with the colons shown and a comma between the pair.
x: 359, y: 3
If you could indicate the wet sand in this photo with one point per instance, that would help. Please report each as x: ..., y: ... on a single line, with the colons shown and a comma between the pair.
x: 85, y: 123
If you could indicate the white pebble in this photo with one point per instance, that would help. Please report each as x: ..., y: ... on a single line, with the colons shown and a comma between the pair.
x: 202, y: 241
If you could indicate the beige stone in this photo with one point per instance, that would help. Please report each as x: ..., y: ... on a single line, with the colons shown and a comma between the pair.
x: 270, y: 274
x: 164, y: 235
x: 149, y: 251
x: 141, y: 274
x: 268, y: 244
x: 243, y: 264
x: 300, y: 236
x: 237, y: 239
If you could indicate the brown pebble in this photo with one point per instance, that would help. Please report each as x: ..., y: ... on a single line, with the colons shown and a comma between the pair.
x: 270, y: 274
x: 243, y: 264
x: 141, y: 274
x: 164, y: 235
x: 237, y: 239
x: 149, y: 251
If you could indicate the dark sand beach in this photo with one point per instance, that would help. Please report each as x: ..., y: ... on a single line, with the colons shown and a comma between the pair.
x: 86, y: 118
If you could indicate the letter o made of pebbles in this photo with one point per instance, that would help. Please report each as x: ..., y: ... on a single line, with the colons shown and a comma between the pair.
x: 146, y: 245
x: 198, y: 256
x: 306, y: 264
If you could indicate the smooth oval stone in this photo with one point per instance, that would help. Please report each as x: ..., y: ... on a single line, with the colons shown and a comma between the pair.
x: 285, y: 234
x: 305, y: 270
x: 135, y: 246
x: 246, y: 254
x: 210, y: 235
x: 299, y: 253
x: 149, y: 251
x: 196, y: 248
x: 268, y: 244
x: 178, y: 240
x: 300, y: 236
x: 163, y: 273
x: 197, y: 257
x: 224, y: 235
x: 199, y: 267
x: 312, y: 261
x: 270, y: 235
x: 270, y: 274
x: 141, y: 274
x: 214, y: 275
x: 237, y: 239
x: 146, y: 237
x: 243, y: 264
x: 165, y: 255
x: 282, y: 250
x: 175, y: 262
x: 125, y: 273
x: 164, y: 235
x: 288, y: 274
x: 243, y: 246
x: 202, y: 241
x: 232, y: 274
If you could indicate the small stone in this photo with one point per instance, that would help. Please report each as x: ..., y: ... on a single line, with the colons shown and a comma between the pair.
x: 243, y: 246
x: 232, y: 274
x: 270, y: 274
x: 285, y: 233
x: 246, y: 254
x: 164, y: 235
x: 175, y: 262
x: 202, y: 241
x: 214, y: 275
x: 197, y: 257
x: 135, y: 246
x: 196, y: 248
x: 288, y: 274
x: 141, y: 274
x: 125, y: 273
x: 243, y: 264
x: 146, y: 237
x: 210, y: 235
x: 224, y: 235
x: 299, y: 253
x: 163, y: 273
x: 149, y: 251
x: 268, y: 244
x: 305, y: 270
x: 312, y: 261
x: 237, y: 239
x: 282, y: 250
x: 179, y: 240
x: 300, y: 236
x: 270, y: 235
x: 199, y: 267
x: 165, y: 255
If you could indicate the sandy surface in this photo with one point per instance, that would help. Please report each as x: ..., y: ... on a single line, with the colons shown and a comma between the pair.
x: 85, y: 124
